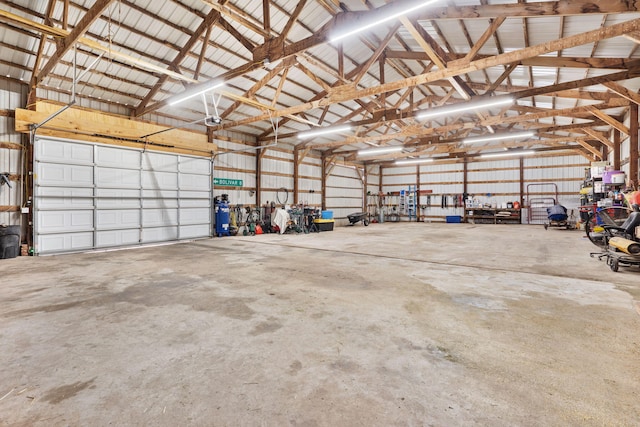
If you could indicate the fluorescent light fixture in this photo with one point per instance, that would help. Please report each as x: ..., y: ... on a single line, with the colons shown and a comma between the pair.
x: 190, y: 95
x: 507, y: 154
x: 491, y: 138
x: 380, y: 150
x: 412, y: 161
x: 466, y: 106
x: 410, y: 7
x: 321, y: 132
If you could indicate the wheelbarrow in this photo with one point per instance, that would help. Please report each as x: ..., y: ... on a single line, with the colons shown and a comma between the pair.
x: 357, y: 217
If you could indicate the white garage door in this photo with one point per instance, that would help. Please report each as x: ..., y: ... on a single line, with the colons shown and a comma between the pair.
x: 93, y: 196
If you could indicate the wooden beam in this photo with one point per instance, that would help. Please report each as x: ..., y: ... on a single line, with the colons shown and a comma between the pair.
x: 293, y: 18
x: 31, y: 96
x: 9, y: 208
x: 489, y: 32
x: 266, y: 18
x: 203, y: 51
x: 347, y: 93
x: 207, y: 22
x: 616, y: 149
x: 283, y: 79
x: 11, y: 145
x: 78, y: 31
x: 633, y: 145
x: 599, y: 136
x: 110, y: 128
x: 531, y: 9
x: 248, y: 44
x: 376, y: 54
x: 107, y: 50
x: 574, y: 84
x: 608, y: 119
x: 623, y: 91
x: 593, y: 150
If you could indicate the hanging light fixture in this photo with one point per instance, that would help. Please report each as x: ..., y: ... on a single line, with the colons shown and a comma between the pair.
x: 406, y: 9
x: 507, y: 154
x: 322, y: 132
x: 478, y: 104
x: 380, y: 150
x: 413, y: 161
x: 189, y: 95
x: 500, y: 137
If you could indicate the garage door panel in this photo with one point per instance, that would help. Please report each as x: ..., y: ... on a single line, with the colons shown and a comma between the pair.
x: 193, y: 231
x: 159, y: 217
x: 195, y: 166
x: 80, y: 205
x: 117, y: 198
x: 159, y: 180
x: 65, y: 221
x: 192, y: 201
x: 117, y: 158
x: 54, y: 174
x: 159, y: 162
x: 64, y: 198
x: 160, y: 203
x: 191, y: 182
x: 159, y: 234
x: 115, y: 238
x: 160, y: 194
x: 117, y: 178
x: 65, y: 152
x: 114, y: 219
x: 194, y: 215
x: 56, y: 243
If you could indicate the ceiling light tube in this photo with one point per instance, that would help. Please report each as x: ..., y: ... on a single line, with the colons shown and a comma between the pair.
x: 491, y: 138
x: 411, y: 7
x: 412, y: 161
x: 507, y: 154
x: 194, y: 94
x: 380, y: 150
x: 466, y: 106
x: 321, y: 132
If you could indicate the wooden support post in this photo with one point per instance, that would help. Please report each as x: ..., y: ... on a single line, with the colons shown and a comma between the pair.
x: 418, y: 218
x: 464, y: 177
x: 323, y: 202
x: 258, y: 177
x: 365, y: 185
x: 633, y: 144
x: 296, y: 175
x: 522, y: 184
x: 616, y: 149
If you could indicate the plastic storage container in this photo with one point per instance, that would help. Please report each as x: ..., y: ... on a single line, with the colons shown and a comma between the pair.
x: 324, y: 224
x: 9, y: 241
x: 454, y: 219
x: 326, y: 215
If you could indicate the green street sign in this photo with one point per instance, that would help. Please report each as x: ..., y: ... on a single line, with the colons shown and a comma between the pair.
x: 227, y: 182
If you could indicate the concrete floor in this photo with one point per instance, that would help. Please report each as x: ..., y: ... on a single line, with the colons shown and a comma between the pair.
x: 391, y: 324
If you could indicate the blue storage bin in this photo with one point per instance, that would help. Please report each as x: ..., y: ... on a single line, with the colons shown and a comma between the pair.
x: 326, y: 215
x: 454, y: 219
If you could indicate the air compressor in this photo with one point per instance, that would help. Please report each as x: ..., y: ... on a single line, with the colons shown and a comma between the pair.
x: 221, y: 210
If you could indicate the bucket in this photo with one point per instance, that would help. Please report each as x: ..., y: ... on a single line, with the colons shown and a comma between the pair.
x: 9, y: 241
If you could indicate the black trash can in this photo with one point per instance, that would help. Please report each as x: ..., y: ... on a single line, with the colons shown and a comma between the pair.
x: 9, y: 241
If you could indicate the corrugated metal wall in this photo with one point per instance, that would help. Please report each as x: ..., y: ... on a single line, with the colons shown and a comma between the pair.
x: 446, y: 183
x: 12, y: 96
x: 345, y: 192
x: 310, y: 180
x: 277, y: 174
x: 236, y: 165
x: 490, y: 182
